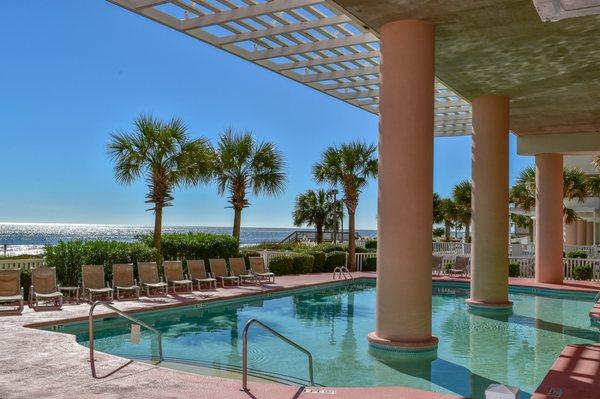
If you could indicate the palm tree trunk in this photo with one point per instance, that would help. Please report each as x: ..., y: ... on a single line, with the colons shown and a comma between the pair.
x: 351, y: 242
x: 237, y: 223
x: 467, y: 232
x: 447, y: 232
x: 531, y: 232
x: 157, y: 228
x: 319, y: 233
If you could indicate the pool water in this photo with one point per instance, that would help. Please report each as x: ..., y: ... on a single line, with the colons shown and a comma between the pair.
x: 333, y: 323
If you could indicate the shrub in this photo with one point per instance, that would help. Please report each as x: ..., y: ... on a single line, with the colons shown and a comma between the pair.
x: 447, y: 267
x: 371, y: 244
x: 196, y: 245
x: 281, y: 265
x: 69, y: 256
x: 577, y: 255
x: 370, y: 264
x: 319, y: 261
x: 439, y: 232
x: 514, y: 269
x: 334, y: 259
x: 25, y: 282
x: 583, y: 272
x: 328, y: 247
x: 303, y: 263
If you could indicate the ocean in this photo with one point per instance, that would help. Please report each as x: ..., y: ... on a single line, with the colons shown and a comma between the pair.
x: 30, y: 238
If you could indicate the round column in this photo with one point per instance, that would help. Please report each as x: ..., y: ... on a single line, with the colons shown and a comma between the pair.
x: 589, y: 233
x: 489, y: 248
x: 549, y: 218
x: 405, y: 160
x: 571, y: 233
x: 581, y: 230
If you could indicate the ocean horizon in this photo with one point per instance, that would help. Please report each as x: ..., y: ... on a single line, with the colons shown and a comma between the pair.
x: 30, y: 238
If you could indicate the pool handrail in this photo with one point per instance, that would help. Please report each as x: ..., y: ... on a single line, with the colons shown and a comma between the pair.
x: 126, y: 316
x: 281, y: 337
x: 343, y: 272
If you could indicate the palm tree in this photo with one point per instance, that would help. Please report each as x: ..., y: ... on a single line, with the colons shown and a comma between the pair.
x: 243, y: 165
x: 438, y: 212
x: 449, y: 215
x: 315, y: 208
x: 163, y: 154
x: 349, y: 166
x: 575, y: 187
x: 461, y: 195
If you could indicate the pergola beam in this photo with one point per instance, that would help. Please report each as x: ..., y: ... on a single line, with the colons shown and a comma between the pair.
x: 245, y: 12
x: 280, y: 30
x: 328, y: 60
x: 346, y: 73
x: 311, y: 47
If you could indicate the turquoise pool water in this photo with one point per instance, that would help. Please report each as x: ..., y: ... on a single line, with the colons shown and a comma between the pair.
x: 333, y: 322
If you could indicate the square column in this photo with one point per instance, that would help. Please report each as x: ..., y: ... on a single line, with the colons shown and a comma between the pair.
x: 581, y: 232
x: 589, y: 233
x: 549, y: 218
x: 405, y: 160
x: 489, y: 248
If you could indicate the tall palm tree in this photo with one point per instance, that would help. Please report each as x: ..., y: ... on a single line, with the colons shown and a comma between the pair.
x: 449, y: 216
x: 243, y: 165
x: 315, y: 208
x: 461, y: 194
x: 163, y: 154
x: 438, y: 212
x: 349, y: 166
x: 575, y: 187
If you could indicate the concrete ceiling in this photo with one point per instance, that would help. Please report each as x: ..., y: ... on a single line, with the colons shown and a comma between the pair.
x: 551, y: 70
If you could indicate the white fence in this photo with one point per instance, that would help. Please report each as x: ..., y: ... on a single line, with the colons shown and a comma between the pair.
x: 27, y: 264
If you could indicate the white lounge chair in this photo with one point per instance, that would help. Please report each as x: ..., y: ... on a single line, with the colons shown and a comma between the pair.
x: 123, y: 280
x: 11, y: 292
x: 148, y: 275
x: 218, y: 267
x: 198, y: 274
x: 44, y: 288
x: 174, y: 276
x: 257, y: 266
x: 93, y: 283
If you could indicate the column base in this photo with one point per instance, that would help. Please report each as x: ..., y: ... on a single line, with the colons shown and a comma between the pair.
x: 489, y: 308
x: 403, y: 349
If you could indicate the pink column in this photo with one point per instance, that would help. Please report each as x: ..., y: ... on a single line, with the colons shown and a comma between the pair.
x: 405, y: 160
x: 581, y: 230
x: 571, y: 233
x: 489, y: 248
x: 589, y: 233
x: 549, y: 218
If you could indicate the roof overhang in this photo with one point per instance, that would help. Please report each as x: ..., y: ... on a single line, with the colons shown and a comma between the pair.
x: 314, y: 42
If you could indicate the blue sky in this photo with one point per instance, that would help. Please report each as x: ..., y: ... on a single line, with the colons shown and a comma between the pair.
x: 72, y: 72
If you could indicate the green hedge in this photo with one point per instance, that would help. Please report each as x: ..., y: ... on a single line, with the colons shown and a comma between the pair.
x: 334, y: 259
x: 583, y: 272
x: 577, y: 255
x: 196, y: 245
x: 281, y: 265
x: 319, y: 261
x: 303, y: 263
x: 371, y: 244
x: 370, y: 264
x: 69, y: 256
x: 514, y: 269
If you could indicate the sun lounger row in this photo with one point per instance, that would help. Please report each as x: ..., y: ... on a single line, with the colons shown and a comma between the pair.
x: 459, y: 268
x: 45, y: 292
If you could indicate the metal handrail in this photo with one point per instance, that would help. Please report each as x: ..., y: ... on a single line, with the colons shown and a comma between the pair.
x: 281, y: 337
x: 343, y: 271
x: 125, y: 315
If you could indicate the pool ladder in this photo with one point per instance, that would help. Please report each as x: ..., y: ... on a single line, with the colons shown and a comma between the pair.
x: 342, y: 272
x: 288, y: 341
x: 126, y: 316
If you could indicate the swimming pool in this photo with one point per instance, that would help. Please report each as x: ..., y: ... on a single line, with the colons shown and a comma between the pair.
x: 333, y: 322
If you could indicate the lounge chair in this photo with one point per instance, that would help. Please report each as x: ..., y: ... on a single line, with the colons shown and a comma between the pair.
x: 11, y: 292
x: 460, y: 266
x: 123, y: 280
x: 198, y: 274
x: 148, y: 274
x: 44, y: 288
x: 218, y: 267
x: 174, y: 276
x: 438, y: 264
x: 238, y: 269
x: 93, y: 283
x: 257, y: 266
